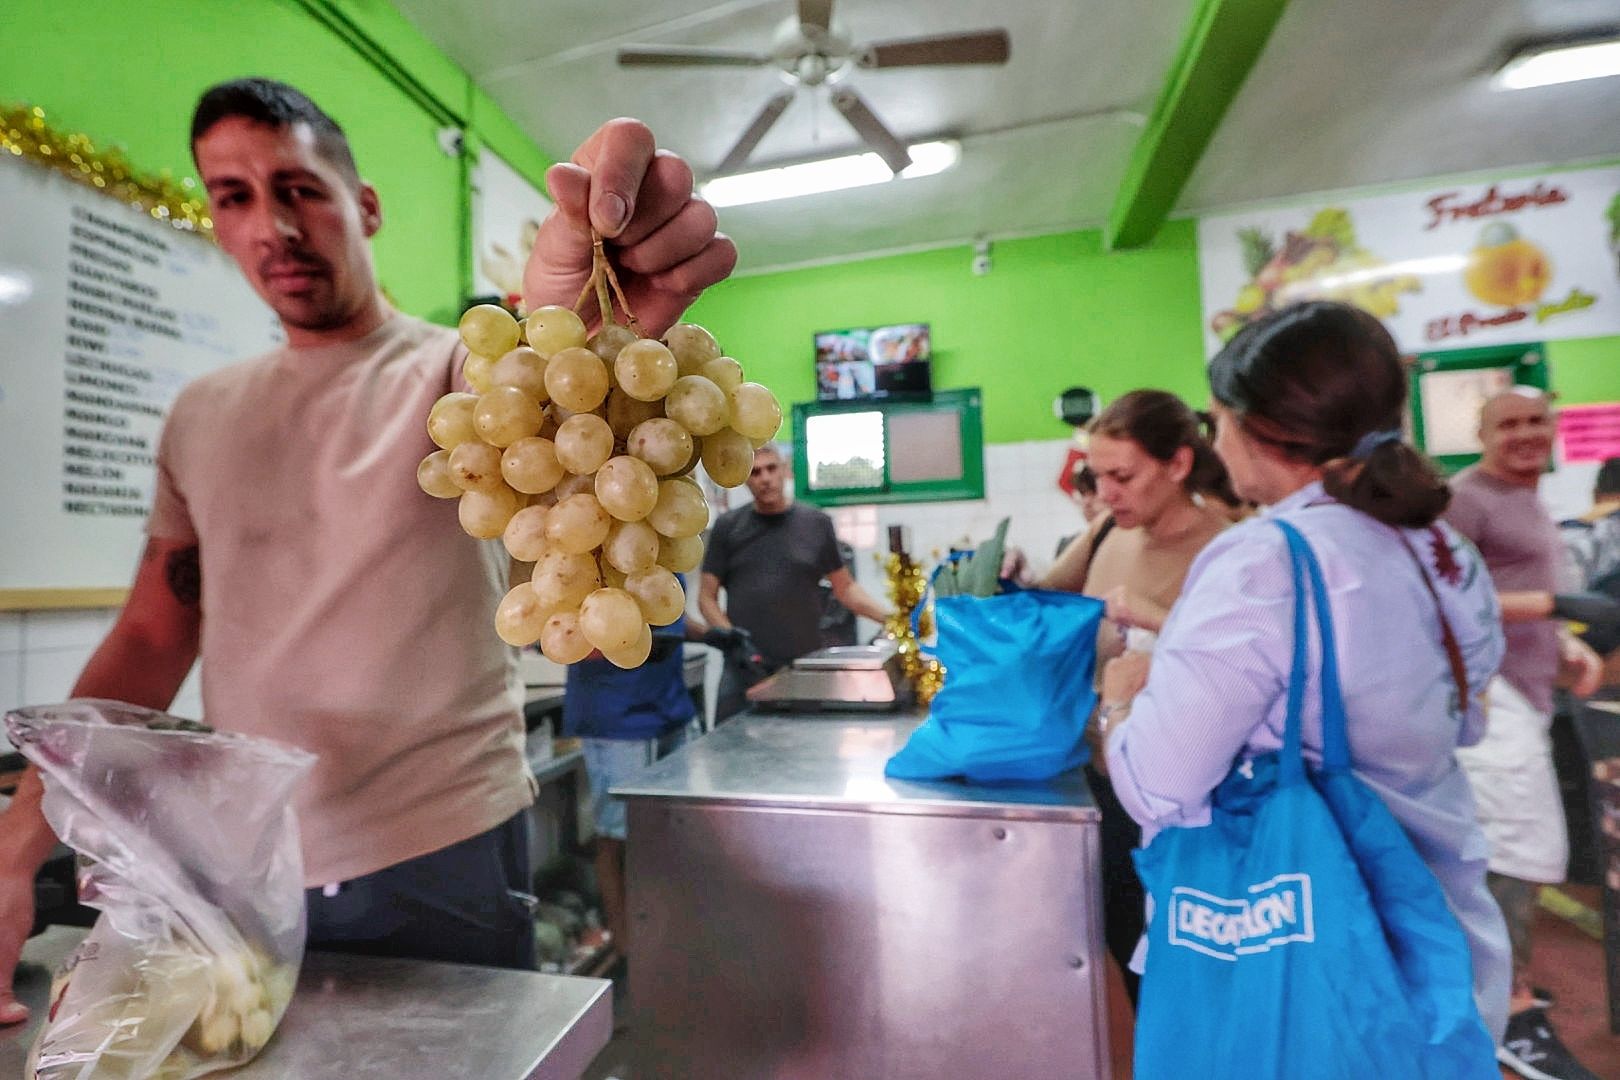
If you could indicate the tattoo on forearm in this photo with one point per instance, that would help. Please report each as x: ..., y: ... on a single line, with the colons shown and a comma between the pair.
x: 184, y: 573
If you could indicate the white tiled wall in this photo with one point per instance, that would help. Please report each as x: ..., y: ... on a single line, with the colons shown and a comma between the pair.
x: 1020, y: 483
x: 43, y: 652
x: 1567, y: 490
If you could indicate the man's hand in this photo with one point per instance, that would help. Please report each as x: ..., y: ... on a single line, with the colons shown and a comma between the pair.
x: 26, y: 840
x: 16, y: 920
x: 1581, y: 667
x: 661, y: 237
x: 724, y: 638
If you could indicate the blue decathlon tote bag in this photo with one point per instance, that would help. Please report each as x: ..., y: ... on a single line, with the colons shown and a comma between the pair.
x: 1299, y: 934
x: 1019, y: 669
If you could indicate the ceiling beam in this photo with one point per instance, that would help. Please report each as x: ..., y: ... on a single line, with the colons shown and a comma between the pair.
x: 1224, y: 39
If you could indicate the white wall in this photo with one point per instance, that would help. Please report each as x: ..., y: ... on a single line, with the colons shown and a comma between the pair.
x: 1020, y: 482
x: 1567, y: 490
x: 42, y: 653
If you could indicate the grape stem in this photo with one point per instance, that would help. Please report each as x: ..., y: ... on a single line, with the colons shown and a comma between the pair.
x: 590, y: 287
x: 618, y: 291
x: 602, y: 279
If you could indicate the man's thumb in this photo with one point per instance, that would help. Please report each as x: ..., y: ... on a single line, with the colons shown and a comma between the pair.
x: 12, y: 1011
x: 570, y: 188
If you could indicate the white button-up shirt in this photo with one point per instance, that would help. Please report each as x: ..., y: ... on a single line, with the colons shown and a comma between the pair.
x: 1216, y: 693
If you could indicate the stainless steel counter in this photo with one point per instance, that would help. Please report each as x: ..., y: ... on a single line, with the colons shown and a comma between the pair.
x: 358, y: 1017
x: 796, y: 915
x: 834, y: 761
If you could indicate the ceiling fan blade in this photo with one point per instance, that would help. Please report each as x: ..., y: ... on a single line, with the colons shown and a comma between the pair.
x: 861, y: 117
x: 687, y: 56
x: 816, y: 13
x: 767, y: 117
x: 974, y: 47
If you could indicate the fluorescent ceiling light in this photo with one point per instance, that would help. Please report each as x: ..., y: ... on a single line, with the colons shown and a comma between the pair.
x: 16, y: 285
x: 1547, y: 65
x: 831, y: 174
x: 1432, y: 264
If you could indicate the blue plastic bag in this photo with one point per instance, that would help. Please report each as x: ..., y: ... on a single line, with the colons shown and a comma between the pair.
x: 1018, y: 689
x: 1299, y: 934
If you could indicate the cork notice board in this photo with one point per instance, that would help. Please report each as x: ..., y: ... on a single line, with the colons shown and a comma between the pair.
x: 105, y: 313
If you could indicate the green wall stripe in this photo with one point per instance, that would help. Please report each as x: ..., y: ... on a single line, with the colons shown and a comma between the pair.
x: 361, y: 60
x: 1224, y: 39
x: 332, y: 15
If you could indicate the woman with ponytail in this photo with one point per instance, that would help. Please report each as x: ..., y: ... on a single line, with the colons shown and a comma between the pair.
x: 1308, y: 407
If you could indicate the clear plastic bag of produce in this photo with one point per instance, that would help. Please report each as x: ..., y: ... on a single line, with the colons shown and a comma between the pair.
x: 189, y: 848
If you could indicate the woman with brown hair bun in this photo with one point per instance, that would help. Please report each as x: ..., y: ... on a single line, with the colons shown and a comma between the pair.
x: 1156, y: 475
x: 1153, y: 469
x: 1308, y: 408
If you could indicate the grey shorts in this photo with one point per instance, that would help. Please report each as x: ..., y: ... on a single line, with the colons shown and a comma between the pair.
x: 609, y: 761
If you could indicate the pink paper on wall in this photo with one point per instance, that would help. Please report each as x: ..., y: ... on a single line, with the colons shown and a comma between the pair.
x: 1589, y: 432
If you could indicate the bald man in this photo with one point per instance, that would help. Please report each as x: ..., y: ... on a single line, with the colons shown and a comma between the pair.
x: 1495, y: 505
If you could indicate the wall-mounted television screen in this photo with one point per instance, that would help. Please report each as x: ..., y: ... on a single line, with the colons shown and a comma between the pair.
x: 874, y: 362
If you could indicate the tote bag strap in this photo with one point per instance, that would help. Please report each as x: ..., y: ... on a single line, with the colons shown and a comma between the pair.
x: 1293, y: 757
x: 1335, y: 739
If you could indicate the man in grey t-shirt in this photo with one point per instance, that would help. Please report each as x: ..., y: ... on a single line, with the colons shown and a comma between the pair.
x: 770, y: 556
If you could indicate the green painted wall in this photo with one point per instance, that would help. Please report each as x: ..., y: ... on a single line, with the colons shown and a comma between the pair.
x: 1056, y: 311
x: 1586, y: 370
x: 129, y: 73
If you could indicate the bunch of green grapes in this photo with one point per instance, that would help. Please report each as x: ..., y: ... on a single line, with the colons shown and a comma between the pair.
x: 577, y: 451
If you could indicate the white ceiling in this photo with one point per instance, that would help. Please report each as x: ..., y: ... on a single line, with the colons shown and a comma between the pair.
x: 1359, y: 92
x: 1348, y: 93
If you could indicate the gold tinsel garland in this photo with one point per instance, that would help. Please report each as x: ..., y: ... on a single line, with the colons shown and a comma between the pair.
x: 24, y: 133
x: 907, y: 587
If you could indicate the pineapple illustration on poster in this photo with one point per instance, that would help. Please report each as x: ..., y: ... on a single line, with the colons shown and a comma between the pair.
x: 507, y: 212
x: 1447, y: 266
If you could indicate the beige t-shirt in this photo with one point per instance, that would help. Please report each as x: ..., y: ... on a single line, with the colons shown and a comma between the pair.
x: 1150, y: 570
x: 344, y: 611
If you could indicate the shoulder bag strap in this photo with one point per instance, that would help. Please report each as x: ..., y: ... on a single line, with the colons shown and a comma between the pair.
x: 1459, y: 670
x: 1091, y: 550
x: 1096, y: 541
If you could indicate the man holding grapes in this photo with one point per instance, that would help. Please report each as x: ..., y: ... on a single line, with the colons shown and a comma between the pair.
x: 344, y: 612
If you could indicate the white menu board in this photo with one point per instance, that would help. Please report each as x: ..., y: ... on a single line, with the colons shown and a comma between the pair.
x: 105, y: 313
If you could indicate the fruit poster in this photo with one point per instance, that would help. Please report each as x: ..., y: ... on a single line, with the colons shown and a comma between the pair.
x: 1447, y: 266
x: 507, y: 212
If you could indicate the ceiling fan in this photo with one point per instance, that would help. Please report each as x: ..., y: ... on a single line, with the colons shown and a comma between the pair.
x: 811, y: 51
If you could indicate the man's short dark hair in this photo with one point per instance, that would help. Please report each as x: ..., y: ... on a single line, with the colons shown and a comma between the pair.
x: 1608, y: 479
x: 274, y: 104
